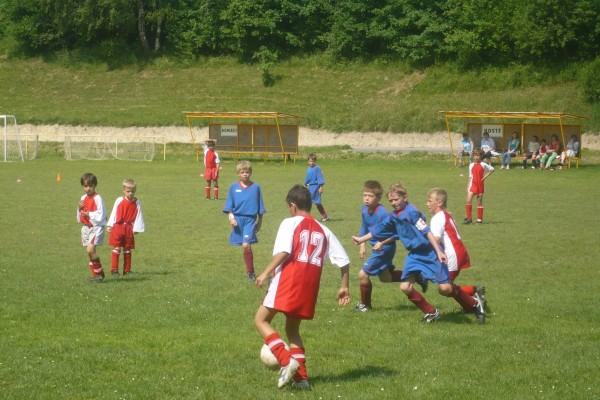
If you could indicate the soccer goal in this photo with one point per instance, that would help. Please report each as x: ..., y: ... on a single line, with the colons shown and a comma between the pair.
x: 12, y: 148
x: 94, y: 147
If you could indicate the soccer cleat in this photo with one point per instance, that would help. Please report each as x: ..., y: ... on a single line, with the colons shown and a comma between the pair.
x: 479, y: 221
x: 98, y: 279
x: 115, y: 274
x: 325, y: 219
x: 360, y: 307
x: 480, y: 290
x: 128, y: 273
x: 251, y: 277
x: 286, y: 373
x: 301, y: 385
x: 431, y: 317
x: 479, y: 309
x: 467, y: 221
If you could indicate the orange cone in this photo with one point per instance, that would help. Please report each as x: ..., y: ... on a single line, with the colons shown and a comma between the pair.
x: 58, y: 178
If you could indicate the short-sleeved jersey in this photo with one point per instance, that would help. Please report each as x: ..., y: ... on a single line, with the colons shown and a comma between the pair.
x: 246, y: 201
x: 443, y: 226
x: 476, y: 173
x: 369, y: 220
x: 95, y: 206
x: 408, y: 225
x: 295, y: 285
x: 127, y: 212
x: 313, y: 180
x: 211, y: 157
x: 411, y: 227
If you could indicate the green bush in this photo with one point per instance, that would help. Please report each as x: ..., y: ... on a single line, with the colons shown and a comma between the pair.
x: 591, y: 81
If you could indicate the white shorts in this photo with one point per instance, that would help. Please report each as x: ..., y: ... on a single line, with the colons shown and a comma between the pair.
x: 92, y: 235
x: 571, y: 153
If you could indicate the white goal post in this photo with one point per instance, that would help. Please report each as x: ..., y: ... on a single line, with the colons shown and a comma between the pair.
x: 12, y: 149
x: 97, y: 147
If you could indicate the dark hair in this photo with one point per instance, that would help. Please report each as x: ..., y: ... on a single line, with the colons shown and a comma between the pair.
x: 373, y: 187
x: 312, y: 156
x: 89, y: 179
x: 300, y: 196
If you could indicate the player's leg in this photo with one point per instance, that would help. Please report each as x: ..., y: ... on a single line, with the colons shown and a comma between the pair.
x: 216, y: 188
x: 470, y: 289
x: 469, y: 209
x: 292, y: 331
x: 322, y: 211
x: 207, y: 189
x: 249, y: 262
x: 407, y: 287
x: 480, y: 208
x: 366, y: 289
x: 127, y: 261
x: 114, y: 261
x: 95, y: 264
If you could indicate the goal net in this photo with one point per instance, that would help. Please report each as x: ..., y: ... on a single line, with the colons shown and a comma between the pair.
x: 11, y: 146
x: 92, y: 147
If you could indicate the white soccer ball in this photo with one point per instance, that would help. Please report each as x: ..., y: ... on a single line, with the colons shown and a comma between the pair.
x: 268, y: 358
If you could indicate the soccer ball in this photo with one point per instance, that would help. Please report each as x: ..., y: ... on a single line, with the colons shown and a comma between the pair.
x: 268, y: 358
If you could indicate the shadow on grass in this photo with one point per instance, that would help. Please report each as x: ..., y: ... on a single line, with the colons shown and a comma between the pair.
x: 355, y: 374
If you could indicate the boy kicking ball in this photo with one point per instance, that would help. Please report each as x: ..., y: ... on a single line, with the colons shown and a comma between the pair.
x: 300, y: 249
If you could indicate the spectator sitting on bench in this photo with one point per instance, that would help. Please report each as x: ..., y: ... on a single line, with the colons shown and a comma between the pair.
x: 533, y: 148
x: 571, y: 152
x: 466, y: 149
x: 551, y: 154
x: 513, y: 148
x: 488, y: 147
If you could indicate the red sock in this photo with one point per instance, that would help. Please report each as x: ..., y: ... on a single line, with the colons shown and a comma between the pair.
x: 300, y: 356
x: 480, y: 213
x: 469, y: 208
x: 277, y: 347
x: 397, y: 276
x: 249, y: 259
x: 216, y: 193
x: 470, y: 290
x: 114, y: 261
x: 321, y: 210
x: 467, y: 302
x: 126, y: 261
x: 366, y: 288
x: 97, y: 268
x: 418, y: 300
x: 207, y: 191
x: 92, y: 268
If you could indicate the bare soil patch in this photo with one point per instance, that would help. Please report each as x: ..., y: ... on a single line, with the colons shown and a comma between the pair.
x: 308, y: 137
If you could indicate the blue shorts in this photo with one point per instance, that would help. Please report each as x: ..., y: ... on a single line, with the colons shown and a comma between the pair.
x: 380, y: 260
x: 244, y: 232
x: 428, y: 264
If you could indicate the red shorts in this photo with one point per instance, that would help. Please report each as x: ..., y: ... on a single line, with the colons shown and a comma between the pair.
x: 121, y: 235
x: 211, y: 174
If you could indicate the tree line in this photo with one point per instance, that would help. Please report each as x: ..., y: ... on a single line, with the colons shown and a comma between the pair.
x: 470, y: 33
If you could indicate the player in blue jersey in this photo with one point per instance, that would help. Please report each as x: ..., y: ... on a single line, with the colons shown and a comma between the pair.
x: 314, y: 181
x: 381, y: 261
x: 245, y: 208
x: 424, y: 258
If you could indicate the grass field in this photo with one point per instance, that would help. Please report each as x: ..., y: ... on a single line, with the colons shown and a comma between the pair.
x: 181, y: 328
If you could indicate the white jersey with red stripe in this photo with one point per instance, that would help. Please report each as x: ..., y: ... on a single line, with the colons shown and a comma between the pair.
x: 127, y: 212
x: 95, y: 207
x: 443, y: 226
x: 295, y: 285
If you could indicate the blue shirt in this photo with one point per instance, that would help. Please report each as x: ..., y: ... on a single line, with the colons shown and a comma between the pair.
x: 244, y: 201
x: 370, y: 220
x: 314, y: 176
x: 409, y: 225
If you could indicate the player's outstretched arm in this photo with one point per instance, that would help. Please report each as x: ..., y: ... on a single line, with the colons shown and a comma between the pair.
x: 343, y: 295
x: 361, y: 239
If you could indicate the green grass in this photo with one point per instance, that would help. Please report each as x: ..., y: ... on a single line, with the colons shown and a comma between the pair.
x: 181, y: 328
x: 341, y: 98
